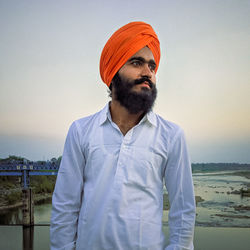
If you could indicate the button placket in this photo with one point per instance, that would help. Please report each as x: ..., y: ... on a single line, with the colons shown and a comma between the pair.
x: 123, y: 156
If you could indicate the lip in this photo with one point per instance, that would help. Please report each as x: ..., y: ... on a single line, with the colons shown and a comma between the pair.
x: 145, y: 84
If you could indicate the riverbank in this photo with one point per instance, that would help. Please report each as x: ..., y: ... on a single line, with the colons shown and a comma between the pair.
x: 218, y: 198
x: 245, y: 174
x: 38, y: 198
x: 11, y: 190
x: 245, y: 190
x: 166, y: 204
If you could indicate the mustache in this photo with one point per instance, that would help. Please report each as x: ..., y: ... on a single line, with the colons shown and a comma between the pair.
x: 144, y: 79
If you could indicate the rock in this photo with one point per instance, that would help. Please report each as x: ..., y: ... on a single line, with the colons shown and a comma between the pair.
x: 233, y: 216
x: 198, y: 199
x: 166, y: 204
x: 236, y: 192
x: 245, y: 192
x: 242, y: 208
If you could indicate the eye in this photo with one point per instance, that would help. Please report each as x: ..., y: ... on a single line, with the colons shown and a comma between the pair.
x: 136, y: 63
x: 152, y: 67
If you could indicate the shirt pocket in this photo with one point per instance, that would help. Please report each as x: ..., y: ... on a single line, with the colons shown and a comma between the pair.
x: 144, y: 168
x: 102, y: 159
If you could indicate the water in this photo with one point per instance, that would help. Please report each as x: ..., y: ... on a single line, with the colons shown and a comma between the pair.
x: 205, y: 238
x: 218, y: 224
x: 218, y: 207
x: 14, y: 216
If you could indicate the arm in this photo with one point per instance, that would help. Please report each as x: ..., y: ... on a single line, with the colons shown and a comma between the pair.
x: 178, y: 179
x: 66, y: 201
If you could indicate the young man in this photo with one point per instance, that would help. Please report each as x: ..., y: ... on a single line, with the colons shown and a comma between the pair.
x: 109, y: 189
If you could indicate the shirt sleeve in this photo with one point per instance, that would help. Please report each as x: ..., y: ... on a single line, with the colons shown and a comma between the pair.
x: 66, y: 200
x: 179, y: 184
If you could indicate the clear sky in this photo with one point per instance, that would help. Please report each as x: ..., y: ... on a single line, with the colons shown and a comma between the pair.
x: 49, y: 71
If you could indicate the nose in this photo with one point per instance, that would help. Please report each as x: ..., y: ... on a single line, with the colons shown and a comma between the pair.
x: 146, y: 71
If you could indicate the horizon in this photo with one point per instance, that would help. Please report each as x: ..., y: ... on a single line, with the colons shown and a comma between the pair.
x: 49, y: 71
x: 55, y: 157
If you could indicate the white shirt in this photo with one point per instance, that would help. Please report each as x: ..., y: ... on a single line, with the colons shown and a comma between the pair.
x: 109, y: 188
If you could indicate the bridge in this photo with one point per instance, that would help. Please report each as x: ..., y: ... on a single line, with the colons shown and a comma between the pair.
x: 25, y: 171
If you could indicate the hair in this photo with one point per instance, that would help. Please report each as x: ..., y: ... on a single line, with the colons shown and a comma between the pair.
x: 110, y: 89
x: 134, y: 102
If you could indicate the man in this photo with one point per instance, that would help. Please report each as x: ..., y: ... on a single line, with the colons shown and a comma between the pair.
x: 109, y: 189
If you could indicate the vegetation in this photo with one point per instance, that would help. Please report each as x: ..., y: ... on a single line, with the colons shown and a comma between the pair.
x: 244, y: 174
x: 43, y: 184
x: 14, y: 197
x: 14, y: 159
x: 210, y: 167
x: 11, y: 185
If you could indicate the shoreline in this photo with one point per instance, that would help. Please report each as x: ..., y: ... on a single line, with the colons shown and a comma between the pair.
x: 37, y: 198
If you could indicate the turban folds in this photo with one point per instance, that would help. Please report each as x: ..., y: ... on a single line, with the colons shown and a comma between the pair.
x: 123, y: 44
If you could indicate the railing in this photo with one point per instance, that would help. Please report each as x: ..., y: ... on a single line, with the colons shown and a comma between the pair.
x: 25, y: 171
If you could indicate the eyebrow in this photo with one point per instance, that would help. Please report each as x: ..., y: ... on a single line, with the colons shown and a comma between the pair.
x: 139, y: 58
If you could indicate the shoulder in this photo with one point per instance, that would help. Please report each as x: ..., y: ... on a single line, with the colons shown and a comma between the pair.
x: 87, y: 120
x: 169, y: 133
x: 174, y: 137
x: 86, y: 124
x: 167, y: 127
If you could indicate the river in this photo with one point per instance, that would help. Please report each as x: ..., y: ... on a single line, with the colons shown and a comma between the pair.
x: 219, y: 226
x: 205, y: 238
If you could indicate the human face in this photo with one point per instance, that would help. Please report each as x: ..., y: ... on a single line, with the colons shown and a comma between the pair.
x: 140, y: 65
x: 135, y: 102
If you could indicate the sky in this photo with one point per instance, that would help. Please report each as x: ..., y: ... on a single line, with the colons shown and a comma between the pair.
x: 49, y: 71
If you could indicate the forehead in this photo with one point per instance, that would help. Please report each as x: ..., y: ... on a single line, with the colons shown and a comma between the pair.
x: 145, y: 53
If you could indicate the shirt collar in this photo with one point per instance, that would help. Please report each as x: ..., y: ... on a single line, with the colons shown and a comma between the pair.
x: 105, y: 114
x: 150, y: 117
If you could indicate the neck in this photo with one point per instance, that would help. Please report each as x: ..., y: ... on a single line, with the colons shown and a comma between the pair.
x: 122, y: 118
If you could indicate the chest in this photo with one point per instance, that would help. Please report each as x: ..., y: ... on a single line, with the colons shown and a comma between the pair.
x: 137, y: 158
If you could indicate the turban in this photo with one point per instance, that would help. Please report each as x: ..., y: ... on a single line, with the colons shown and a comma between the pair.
x: 123, y: 44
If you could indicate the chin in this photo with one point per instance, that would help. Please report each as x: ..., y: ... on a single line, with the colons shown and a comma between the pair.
x: 140, y: 89
x: 146, y: 88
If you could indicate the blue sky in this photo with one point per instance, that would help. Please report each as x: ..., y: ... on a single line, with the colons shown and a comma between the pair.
x: 49, y: 71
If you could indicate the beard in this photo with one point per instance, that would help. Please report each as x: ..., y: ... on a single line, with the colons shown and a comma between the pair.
x: 134, y: 102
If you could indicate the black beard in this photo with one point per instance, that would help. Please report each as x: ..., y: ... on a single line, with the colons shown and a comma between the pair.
x: 134, y: 102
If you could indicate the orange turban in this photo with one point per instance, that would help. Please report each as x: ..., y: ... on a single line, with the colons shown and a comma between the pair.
x: 123, y: 44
